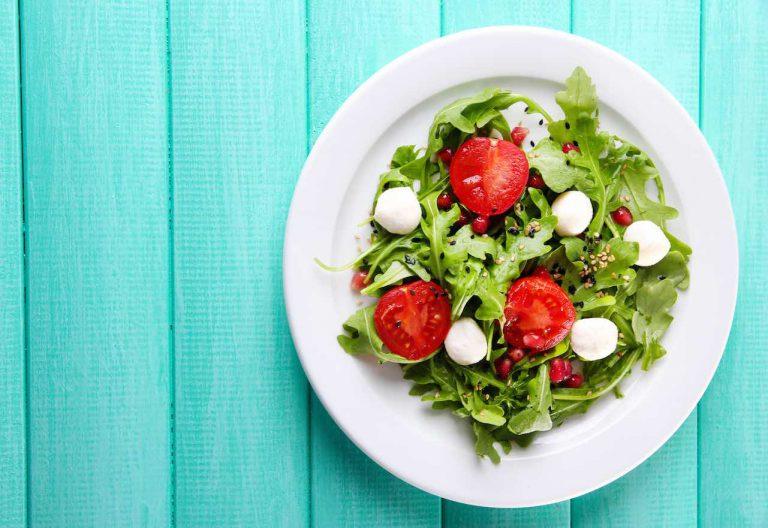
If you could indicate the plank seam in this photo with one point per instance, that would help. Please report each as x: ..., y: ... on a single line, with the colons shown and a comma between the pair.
x: 700, y: 123
x: 308, y: 132
x: 25, y: 278
x: 171, y: 278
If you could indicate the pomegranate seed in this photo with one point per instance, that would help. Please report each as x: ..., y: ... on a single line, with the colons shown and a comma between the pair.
x: 445, y: 155
x: 622, y: 216
x: 559, y: 370
x: 503, y: 366
x: 518, y: 135
x: 536, y: 181
x: 567, y: 147
x: 464, y: 219
x: 575, y: 381
x: 444, y: 201
x: 480, y: 224
x: 516, y: 354
x: 359, y: 280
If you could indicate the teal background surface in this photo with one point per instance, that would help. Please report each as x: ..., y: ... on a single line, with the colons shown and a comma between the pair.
x: 148, y: 152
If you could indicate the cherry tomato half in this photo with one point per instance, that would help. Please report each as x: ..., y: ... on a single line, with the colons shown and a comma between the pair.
x: 488, y: 175
x: 538, y: 313
x: 413, y: 319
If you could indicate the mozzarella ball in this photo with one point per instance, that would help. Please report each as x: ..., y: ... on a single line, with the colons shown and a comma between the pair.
x: 465, y: 342
x: 398, y: 210
x: 654, y: 245
x: 594, y: 338
x: 574, y: 213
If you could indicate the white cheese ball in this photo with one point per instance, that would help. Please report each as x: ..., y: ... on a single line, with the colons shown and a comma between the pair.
x: 398, y: 210
x: 465, y: 342
x: 574, y: 213
x: 594, y: 339
x: 654, y: 245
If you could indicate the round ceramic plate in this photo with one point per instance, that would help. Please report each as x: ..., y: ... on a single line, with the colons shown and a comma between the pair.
x: 433, y: 450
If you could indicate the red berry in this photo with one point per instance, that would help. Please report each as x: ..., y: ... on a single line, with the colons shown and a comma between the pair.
x: 359, y: 280
x: 445, y: 155
x: 464, y: 219
x: 559, y: 370
x: 575, y: 381
x: 503, y: 366
x: 518, y: 135
x: 536, y: 181
x: 444, y: 201
x: 480, y: 224
x: 622, y: 216
x: 516, y: 354
x: 567, y: 147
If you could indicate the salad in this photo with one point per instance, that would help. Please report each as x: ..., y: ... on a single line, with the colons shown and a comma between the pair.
x: 521, y: 263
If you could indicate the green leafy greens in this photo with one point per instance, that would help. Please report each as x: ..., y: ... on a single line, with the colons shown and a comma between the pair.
x: 597, y: 269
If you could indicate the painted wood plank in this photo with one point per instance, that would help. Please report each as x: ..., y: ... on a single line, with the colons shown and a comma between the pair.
x: 459, y: 15
x: 95, y: 162
x: 663, y: 37
x: 12, y: 407
x: 348, y: 489
x: 733, y: 471
x: 239, y: 139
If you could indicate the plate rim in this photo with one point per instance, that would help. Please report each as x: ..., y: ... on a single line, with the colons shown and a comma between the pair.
x: 358, y: 93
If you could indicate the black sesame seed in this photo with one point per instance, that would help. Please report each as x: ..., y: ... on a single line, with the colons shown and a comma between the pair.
x: 452, y: 243
x: 567, y: 125
x: 575, y: 143
x: 532, y: 234
x: 526, y: 109
x: 466, y: 268
x: 532, y: 144
x: 541, y: 122
x: 372, y: 224
x: 571, y: 289
x: 442, y: 256
x: 578, y: 304
x: 662, y: 277
x: 412, y: 292
x: 494, y: 209
x: 410, y: 260
x: 397, y: 324
x: 513, y: 231
x: 567, y: 162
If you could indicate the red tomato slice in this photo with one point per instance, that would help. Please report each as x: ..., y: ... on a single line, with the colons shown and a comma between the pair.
x: 413, y: 319
x: 539, y: 313
x: 488, y: 175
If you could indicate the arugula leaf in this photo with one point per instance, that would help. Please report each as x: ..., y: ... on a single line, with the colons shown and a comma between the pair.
x: 483, y: 412
x: 635, y: 177
x: 484, y: 443
x: 559, y: 174
x: 362, y: 337
x: 395, y: 274
x: 435, y: 226
x: 520, y: 248
x: 465, y: 243
x: 535, y: 417
x: 454, y: 122
x: 579, y: 104
x: 403, y: 155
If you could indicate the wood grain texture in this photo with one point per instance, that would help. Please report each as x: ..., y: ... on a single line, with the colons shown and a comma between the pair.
x: 95, y: 153
x: 662, y: 36
x: 239, y: 139
x: 348, y: 489
x: 12, y: 408
x: 459, y: 15
x: 733, y: 417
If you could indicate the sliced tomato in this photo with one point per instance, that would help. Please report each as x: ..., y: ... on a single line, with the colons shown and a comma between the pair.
x: 488, y: 175
x: 413, y: 319
x: 538, y: 313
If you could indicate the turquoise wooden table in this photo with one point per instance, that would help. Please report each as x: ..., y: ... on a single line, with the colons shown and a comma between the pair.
x: 148, y: 152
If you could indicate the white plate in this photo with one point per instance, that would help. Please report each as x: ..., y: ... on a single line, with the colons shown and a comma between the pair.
x: 432, y: 449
